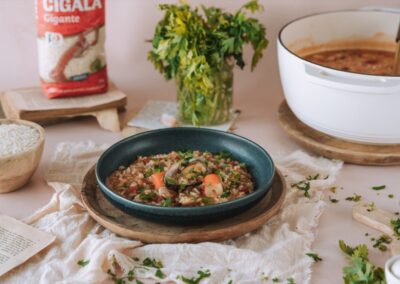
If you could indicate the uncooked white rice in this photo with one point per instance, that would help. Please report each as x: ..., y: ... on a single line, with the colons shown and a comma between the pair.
x: 17, y: 138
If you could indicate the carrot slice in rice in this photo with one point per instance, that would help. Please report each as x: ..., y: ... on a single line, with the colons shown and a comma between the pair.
x: 158, y: 179
x: 211, y: 179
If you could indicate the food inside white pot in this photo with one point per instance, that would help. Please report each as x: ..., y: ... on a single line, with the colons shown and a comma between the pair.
x: 344, y: 104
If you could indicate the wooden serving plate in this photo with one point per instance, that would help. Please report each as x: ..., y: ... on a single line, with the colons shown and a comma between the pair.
x: 335, y: 148
x: 150, y: 232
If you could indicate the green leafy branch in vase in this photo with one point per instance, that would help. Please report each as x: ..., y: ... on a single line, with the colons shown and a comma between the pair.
x: 199, y: 50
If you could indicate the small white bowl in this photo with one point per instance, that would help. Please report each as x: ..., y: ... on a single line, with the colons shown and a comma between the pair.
x: 16, y: 170
x: 391, y: 276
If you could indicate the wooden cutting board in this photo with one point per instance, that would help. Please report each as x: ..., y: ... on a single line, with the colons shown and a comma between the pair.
x: 335, y: 148
x: 150, y: 232
x: 31, y: 104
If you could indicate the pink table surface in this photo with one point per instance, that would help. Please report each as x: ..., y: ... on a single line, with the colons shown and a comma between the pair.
x: 258, y: 94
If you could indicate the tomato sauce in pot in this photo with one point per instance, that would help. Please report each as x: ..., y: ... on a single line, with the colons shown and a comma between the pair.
x: 366, y: 61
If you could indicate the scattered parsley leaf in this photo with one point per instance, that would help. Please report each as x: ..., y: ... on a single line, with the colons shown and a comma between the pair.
x: 354, y: 198
x: 396, y: 226
x: 152, y: 263
x: 230, y: 281
x: 313, y: 177
x: 303, y: 186
x: 83, y: 263
x: 382, y: 242
x: 370, y: 206
x: 290, y: 280
x: 196, y: 280
x: 390, y: 196
x: 360, y: 271
x: 109, y: 272
x: 131, y: 275
x: 379, y: 187
x: 275, y: 280
x: 314, y: 256
x: 333, y: 200
x: 117, y: 280
x: 160, y: 274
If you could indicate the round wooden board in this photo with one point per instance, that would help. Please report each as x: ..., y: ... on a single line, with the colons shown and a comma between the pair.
x: 150, y: 232
x: 335, y: 148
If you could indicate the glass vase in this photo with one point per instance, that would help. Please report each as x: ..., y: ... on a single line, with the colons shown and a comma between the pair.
x: 207, y: 109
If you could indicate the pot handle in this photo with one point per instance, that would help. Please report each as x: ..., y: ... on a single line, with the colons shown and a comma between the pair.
x: 351, y: 82
x: 382, y: 9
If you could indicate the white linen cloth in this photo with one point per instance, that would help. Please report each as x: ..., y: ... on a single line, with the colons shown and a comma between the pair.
x: 275, y: 250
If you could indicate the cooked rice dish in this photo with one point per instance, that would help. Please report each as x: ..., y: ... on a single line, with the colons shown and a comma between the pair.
x: 189, y: 178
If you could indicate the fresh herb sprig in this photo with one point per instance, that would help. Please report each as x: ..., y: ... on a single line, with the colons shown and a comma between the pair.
x: 333, y: 200
x: 304, y: 185
x: 396, y: 226
x: 195, y: 280
x: 193, y: 45
x: 354, y: 198
x: 370, y: 206
x: 314, y: 256
x: 360, y: 270
x: 379, y: 187
x: 83, y: 262
x: 131, y: 276
x: 151, y: 262
x: 382, y: 242
x: 290, y: 280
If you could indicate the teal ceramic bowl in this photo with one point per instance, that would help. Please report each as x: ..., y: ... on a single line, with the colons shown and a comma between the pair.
x: 258, y: 161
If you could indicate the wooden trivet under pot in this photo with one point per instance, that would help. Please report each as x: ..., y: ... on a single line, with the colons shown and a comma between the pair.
x: 336, y: 148
x: 150, y: 232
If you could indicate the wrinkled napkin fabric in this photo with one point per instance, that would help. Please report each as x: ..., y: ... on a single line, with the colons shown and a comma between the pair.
x: 277, y: 249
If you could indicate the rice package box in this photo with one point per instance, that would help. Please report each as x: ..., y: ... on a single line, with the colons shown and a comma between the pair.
x: 71, y: 36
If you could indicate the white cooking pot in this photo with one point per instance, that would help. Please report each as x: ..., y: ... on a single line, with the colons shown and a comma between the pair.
x: 351, y: 106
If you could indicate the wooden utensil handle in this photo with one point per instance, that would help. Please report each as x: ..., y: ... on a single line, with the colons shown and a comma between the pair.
x: 377, y: 219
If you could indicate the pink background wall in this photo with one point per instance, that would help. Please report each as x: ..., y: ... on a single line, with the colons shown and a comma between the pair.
x: 130, y: 23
